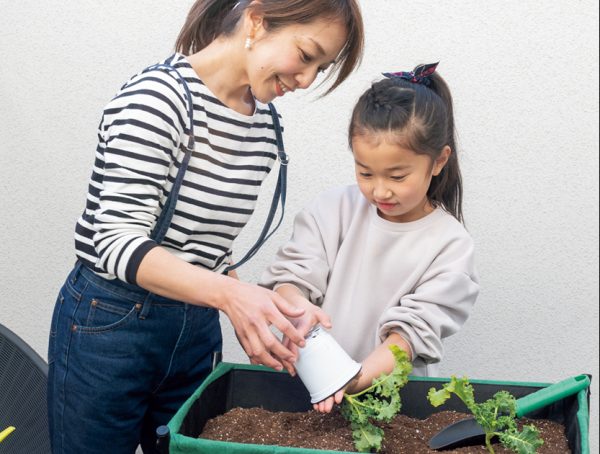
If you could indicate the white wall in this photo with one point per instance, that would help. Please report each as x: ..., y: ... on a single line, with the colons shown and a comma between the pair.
x: 525, y: 80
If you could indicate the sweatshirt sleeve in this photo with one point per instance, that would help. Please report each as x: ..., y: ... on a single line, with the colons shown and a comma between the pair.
x: 302, y: 261
x: 139, y: 142
x: 439, y: 305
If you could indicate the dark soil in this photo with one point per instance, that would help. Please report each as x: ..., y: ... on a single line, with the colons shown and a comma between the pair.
x: 313, y: 430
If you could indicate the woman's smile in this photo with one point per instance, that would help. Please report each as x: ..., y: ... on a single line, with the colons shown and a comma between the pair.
x: 281, y: 88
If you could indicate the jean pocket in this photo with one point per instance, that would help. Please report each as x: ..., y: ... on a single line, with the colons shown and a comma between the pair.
x: 102, y: 313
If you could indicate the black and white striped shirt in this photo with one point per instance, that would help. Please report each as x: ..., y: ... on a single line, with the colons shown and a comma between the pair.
x: 137, y: 160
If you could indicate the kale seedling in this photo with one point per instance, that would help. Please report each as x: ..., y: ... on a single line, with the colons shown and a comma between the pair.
x: 496, y: 416
x: 378, y: 402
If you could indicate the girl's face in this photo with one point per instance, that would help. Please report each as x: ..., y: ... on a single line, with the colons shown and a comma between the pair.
x: 291, y: 57
x: 393, y: 178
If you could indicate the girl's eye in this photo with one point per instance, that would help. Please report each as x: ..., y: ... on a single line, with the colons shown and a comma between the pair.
x: 365, y: 175
x: 398, y: 178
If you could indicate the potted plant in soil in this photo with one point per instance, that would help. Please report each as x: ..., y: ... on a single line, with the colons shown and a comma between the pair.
x: 496, y: 416
x: 379, y: 402
x: 233, y: 387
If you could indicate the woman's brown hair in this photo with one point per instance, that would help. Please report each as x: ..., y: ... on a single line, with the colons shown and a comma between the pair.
x: 209, y: 19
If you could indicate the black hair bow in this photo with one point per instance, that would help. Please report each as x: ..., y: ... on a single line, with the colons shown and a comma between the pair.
x: 419, y: 75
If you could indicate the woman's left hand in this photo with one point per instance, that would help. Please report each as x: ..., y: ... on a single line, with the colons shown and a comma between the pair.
x: 313, y: 315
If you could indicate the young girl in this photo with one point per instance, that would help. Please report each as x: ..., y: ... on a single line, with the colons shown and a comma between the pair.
x: 388, y: 259
x: 182, y: 151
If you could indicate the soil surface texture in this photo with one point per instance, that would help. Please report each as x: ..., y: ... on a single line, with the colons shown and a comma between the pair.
x: 313, y: 430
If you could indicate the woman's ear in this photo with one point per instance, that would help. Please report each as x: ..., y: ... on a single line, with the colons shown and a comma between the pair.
x: 254, y: 23
x: 441, y: 160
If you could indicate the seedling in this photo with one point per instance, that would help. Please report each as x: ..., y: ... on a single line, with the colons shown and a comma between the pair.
x: 378, y: 402
x: 497, y: 416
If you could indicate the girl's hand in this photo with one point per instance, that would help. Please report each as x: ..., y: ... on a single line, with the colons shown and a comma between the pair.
x: 251, y: 310
x: 326, y: 405
x: 312, y: 315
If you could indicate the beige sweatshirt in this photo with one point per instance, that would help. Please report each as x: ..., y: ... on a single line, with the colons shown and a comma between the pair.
x: 373, y: 276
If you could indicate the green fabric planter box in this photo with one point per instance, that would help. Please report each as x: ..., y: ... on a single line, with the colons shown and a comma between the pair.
x: 238, y: 385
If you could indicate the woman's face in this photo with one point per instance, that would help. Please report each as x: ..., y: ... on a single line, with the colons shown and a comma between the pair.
x: 291, y: 57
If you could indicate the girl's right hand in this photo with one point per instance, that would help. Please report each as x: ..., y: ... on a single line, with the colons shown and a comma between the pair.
x: 251, y: 310
x: 326, y: 405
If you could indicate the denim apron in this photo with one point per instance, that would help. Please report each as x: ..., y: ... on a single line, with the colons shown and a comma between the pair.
x: 122, y: 360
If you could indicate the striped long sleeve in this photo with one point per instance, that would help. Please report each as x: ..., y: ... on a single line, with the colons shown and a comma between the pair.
x: 137, y: 159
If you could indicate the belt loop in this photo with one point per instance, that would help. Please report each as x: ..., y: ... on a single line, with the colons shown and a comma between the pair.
x: 146, y: 306
x: 75, y: 272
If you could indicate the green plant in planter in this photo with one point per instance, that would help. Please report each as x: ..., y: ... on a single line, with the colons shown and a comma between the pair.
x: 378, y: 402
x: 497, y: 416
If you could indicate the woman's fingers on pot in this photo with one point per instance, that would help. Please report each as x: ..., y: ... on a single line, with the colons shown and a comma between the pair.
x: 260, y: 352
x: 245, y: 345
x: 289, y: 367
x: 287, y: 343
x: 273, y: 346
x: 287, y: 329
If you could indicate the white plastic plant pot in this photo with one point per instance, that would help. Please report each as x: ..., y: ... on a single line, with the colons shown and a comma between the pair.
x: 323, y: 365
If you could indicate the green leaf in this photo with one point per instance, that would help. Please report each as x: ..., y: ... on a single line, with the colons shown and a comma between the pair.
x: 387, y: 410
x: 497, y: 413
x: 379, y: 402
x: 458, y: 386
x: 367, y: 437
x: 525, y: 442
x: 438, y: 397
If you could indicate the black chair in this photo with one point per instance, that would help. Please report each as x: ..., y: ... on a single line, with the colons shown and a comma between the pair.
x: 23, y: 381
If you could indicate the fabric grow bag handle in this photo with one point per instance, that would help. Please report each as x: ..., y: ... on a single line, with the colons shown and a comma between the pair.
x: 551, y: 394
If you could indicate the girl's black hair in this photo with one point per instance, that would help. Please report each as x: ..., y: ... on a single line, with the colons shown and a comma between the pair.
x: 421, y: 118
x: 209, y: 19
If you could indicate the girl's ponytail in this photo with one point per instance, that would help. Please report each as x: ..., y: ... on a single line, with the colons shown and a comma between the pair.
x: 207, y: 20
x: 417, y: 108
x: 446, y: 189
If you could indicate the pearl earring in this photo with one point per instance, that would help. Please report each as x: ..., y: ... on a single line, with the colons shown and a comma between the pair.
x: 248, y: 43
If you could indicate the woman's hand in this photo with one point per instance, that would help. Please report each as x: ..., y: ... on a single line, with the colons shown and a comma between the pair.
x: 312, y: 315
x: 251, y: 310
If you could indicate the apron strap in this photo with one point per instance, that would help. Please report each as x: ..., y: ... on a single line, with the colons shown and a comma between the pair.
x: 278, y: 196
x: 164, y: 220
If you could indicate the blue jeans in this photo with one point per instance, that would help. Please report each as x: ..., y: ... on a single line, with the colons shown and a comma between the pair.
x: 122, y: 361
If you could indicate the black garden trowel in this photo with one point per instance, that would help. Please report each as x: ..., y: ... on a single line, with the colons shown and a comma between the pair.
x: 469, y: 432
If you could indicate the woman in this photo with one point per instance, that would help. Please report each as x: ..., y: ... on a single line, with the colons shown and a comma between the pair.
x: 183, y: 149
